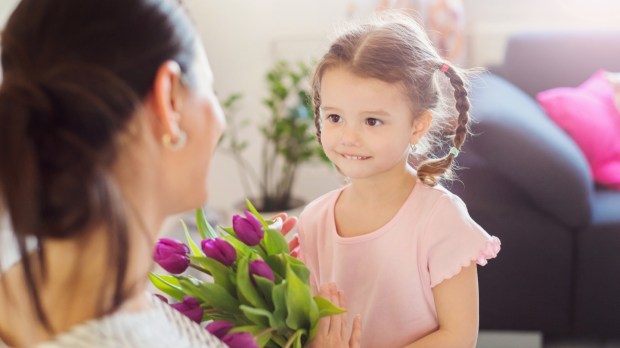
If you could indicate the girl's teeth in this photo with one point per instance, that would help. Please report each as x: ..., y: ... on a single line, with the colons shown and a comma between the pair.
x: 354, y: 157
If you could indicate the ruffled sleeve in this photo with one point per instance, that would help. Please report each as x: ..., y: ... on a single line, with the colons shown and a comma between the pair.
x: 454, y: 240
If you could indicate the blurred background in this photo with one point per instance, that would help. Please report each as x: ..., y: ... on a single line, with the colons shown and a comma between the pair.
x: 244, y: 38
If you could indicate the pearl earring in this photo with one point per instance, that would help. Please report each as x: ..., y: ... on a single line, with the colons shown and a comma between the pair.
x: 166, y: 139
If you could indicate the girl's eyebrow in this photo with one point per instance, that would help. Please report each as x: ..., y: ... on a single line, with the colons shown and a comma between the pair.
x: 376, y: 113
x: 324, y: 108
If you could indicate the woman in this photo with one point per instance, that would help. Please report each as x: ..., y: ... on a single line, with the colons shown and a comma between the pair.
x: 108, y: 122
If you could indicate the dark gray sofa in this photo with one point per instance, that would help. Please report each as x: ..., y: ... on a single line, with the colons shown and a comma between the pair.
x: 525, y: 181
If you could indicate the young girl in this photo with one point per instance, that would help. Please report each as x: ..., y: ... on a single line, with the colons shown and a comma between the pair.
x: 401, y: 247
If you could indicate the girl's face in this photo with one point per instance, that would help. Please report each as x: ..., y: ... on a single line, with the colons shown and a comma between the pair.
x: 367, y: 124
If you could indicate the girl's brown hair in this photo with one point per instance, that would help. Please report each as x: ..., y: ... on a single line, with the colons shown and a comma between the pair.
x: 393, y: 48
x: 74, y: 74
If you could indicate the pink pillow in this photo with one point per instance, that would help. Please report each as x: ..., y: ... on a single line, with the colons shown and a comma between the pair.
x: 588, y: 114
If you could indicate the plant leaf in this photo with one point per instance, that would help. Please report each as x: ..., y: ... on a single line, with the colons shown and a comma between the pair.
x: 265, y: 286
x: 277, y: 263
x: 326, y: 308
x: 228, y: 230
x: 205, y: 229
x: 218, y: 297
x: 275, y: 243
x: 253, y: 210
x: 221, y: 274
x: 163, y: 283
x: 241, y: 248
x: 192, y: 245
x: 258, y: 316
x: 246, y: 292
x: 279, y: 301
x: 303, y: 312
x: 300, y: 269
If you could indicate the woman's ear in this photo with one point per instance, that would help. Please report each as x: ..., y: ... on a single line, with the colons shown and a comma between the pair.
x: 421, y: 125
x: 166, y: 100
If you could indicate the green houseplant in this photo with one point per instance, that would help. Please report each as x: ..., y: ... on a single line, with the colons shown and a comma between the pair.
x: 289, y: 137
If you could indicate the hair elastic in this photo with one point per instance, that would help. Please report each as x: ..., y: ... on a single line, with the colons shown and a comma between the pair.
x: 444, y: 68
x: 454, y: 151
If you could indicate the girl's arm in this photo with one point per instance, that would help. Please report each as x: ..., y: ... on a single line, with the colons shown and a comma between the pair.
x: 456, y: 300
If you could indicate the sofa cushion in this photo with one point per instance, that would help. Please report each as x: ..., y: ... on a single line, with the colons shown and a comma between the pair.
x: 588, y: 114
x: 516, y: 139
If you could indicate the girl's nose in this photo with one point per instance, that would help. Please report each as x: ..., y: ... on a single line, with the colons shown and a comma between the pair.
x: 350, y: 136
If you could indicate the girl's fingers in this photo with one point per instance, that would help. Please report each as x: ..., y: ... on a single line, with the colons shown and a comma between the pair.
x: 325, y: 322
x: 289, y: 224
x: 356, y: 333
x: 344, y: 327
x: 334, y: 325
x: 294, y: 243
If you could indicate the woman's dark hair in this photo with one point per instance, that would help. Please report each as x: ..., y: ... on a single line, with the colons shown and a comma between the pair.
x: 74, y: 74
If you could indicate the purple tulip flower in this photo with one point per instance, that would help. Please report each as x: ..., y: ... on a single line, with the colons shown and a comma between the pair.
x: 248, y: 229
x: 261, y: 269
x: 171, y: 255
x: 190, y: 307
x: 220, y: 250
x: 240, y: 340
x: 219, y: 328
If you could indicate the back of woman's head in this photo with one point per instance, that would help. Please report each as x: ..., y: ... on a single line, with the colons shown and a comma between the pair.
x: 393, y: 48
x: 74, y: 74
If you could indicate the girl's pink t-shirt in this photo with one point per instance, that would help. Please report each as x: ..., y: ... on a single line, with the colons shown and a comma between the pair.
x: 387, y: 275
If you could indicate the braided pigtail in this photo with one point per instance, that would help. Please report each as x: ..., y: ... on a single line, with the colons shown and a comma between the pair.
x: 316, y: 102
x: 431, y: 171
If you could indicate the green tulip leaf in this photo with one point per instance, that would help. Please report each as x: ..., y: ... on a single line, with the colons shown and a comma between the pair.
x: 218, y: 297
x: 265, y: 286
x: 191, y: 286
x: 167, y: 284
x: 253, y: 329
x: 221, y: 273
x: 278, y: 296
x: 299, y: 268
x: 295, y: 339
x: 302, y: 310
x: 228, y: 230
x: 205, y: 229
x: 253, y: 210
x: 192, y: 245
x: 261, y: 334
x: 277, y: 263
x: 242, y: 249
x: 247, y: 293
x: 326, y: 308
x: 258, y: 316
x: 275, y: 243
x: 263, y: 339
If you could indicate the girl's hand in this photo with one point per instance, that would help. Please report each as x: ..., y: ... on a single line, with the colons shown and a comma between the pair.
x: 288, y: 223
x: 333, y: 330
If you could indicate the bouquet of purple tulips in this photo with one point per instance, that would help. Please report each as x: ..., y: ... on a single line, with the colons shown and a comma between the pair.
x: 255, y: 294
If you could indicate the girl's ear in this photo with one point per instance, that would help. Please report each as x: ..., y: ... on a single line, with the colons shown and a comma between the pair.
x: 166, y: 100
x: 421, y: 125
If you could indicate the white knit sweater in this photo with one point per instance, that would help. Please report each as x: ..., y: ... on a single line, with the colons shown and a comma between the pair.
x: 159, y: 326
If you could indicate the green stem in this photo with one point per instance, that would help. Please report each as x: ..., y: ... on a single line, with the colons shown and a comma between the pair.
x: 290, y: 341
x: 265, y: 332
x: 194, y: 266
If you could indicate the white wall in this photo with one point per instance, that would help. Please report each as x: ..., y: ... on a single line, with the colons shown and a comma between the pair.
x: 244, y: 37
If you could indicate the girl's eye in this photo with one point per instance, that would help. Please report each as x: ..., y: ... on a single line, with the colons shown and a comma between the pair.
x: 334, y: 118
x: 373, y: 122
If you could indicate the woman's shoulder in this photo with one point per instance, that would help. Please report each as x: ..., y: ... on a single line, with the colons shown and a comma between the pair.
x: 159, y: 326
